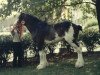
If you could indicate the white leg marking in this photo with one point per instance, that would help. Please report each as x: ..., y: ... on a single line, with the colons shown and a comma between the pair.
x: 69, y: 38
x: 80, y: 60
x: 43, y: 60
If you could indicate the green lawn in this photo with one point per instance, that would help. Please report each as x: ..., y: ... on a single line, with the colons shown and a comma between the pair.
x: 63, y: 67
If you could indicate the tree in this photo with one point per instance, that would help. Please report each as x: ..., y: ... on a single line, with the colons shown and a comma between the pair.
x: 98, y: 12
x: 47, y: 8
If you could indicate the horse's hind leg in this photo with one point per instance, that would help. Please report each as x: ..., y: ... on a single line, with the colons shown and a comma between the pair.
x: 80, y: 60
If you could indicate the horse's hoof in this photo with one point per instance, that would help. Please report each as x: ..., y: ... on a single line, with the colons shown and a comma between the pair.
x: 79, y: 64
x: 41, y: 66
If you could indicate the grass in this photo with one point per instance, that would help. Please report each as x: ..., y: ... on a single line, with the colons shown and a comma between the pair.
x: 62, y: 67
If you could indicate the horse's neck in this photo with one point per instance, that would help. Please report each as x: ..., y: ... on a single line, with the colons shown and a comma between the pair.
x: 31, y: 26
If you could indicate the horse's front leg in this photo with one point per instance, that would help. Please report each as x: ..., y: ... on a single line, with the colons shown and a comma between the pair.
x: 80, y: 60
x: 43, y: 60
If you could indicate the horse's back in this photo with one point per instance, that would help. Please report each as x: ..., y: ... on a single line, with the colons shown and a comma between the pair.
x: 62, y: 27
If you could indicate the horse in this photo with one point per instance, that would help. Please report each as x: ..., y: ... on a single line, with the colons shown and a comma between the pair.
x: 44, y: 34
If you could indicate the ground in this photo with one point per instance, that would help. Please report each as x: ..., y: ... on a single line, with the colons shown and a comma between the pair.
x: 62, y: 67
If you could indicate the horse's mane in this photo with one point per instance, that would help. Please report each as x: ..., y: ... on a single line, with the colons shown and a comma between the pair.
x: 31, y: 17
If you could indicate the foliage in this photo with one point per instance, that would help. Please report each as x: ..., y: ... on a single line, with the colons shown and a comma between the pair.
x: 12, y: 5
x: 45, y: 9
x: 90, y: 39
x: 6, y: 45
x: 5, y: 42
x: 5, y: 48
x: 91, y: 24
x: 26, y: 41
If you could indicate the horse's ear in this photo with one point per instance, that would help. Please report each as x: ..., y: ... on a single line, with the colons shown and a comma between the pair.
x: 22, y: 13
x: 22, y: 22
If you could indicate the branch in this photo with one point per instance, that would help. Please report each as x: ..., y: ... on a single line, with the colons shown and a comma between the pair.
x: 74, y: 4
x: 69, y: 5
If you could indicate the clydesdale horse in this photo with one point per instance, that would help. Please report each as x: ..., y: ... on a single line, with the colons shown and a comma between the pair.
x: 45, y: 34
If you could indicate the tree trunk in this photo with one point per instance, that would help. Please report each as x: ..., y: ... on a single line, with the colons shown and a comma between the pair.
x: 98, y: 12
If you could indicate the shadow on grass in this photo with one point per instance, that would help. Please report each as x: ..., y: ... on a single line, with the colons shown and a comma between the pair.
x: 65, y: 67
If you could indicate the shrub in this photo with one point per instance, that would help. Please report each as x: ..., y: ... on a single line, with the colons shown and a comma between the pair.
x: 6, y: 46
x: 90, y: 39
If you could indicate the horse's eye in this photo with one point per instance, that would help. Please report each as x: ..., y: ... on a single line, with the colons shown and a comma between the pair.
x: 22, y: 22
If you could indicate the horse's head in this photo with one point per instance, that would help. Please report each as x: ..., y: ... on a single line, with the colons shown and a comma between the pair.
x: 27, y: 19
x: 19, y: 23
x: 22, y: 19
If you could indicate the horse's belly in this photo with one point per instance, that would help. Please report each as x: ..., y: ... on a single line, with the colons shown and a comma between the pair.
x: 57, y: 39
